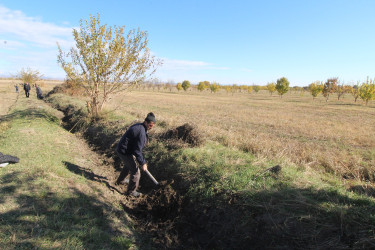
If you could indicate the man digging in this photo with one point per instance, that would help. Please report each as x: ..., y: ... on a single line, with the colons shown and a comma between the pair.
x: 129, y: 149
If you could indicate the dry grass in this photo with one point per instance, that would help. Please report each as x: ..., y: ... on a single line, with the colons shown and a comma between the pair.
x: 8, y: 95
x: 337, y: 136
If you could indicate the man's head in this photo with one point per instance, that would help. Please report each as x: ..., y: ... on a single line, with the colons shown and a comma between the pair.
x: 150, y: 120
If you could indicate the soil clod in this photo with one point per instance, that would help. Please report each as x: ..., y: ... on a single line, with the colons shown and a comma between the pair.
x: 186, y: 133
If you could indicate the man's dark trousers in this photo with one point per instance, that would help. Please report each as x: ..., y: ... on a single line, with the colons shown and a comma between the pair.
x: 130, y: 165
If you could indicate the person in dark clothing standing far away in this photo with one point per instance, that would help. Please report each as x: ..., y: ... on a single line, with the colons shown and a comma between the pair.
x: 27, y: 88
x: 130, y: 149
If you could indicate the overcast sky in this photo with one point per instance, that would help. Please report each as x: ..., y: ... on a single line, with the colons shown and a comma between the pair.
x: 230, y: 42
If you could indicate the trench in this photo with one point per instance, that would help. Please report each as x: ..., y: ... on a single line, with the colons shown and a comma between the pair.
x: 163, y: 212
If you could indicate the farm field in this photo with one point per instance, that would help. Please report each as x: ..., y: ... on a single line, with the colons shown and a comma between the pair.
x: 222, y: 194
x: 8, y: 93
x: 334, y: 136
x: 142, y: 131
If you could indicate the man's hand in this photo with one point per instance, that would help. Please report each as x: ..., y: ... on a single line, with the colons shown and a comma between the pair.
x: 144, y: 167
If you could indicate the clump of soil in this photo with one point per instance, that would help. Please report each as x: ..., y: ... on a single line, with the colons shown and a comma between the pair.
x: 57, y: 89
x: 157, y: 214
x: 187, y: 133
x: 67, y: 87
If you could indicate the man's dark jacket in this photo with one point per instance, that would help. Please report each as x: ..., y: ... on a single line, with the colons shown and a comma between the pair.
x: 133, y: 142
x: 39, y: 93
x: 27, y: 87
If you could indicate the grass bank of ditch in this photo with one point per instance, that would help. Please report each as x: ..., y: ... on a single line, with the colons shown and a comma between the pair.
x: 216, y: 197
x: 53, y: 198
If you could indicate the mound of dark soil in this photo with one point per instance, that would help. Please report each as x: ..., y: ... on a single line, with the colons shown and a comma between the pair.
x: 57, y: 89
x: 157, y: 214
x: 186, y: 133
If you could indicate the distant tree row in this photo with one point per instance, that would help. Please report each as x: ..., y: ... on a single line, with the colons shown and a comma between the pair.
x: 282, y: 86
x: 364, y: 90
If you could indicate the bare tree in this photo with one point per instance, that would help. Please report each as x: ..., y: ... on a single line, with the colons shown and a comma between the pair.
x: 29, y: 75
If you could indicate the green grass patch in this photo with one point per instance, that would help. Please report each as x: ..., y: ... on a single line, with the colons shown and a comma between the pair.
x: 293, y: 207
x: 43, y: 203
x: 62, y: 100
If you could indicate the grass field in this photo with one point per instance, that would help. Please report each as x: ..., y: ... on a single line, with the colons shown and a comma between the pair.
x: 56, y: 197
x: 322, y: 197
x: 337, y: 136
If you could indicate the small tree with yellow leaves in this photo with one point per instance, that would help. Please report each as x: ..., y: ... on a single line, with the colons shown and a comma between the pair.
x: 214, y: 87
x: 179, y: 86
x: 367, y: 90
x: 271, y: 87
x: 105, y: 61
x: 316, y: 88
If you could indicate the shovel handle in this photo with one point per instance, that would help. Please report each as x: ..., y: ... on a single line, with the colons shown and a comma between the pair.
x: 152, y: 177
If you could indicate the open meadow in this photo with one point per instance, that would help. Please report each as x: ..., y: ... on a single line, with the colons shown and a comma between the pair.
x: 335, y: 136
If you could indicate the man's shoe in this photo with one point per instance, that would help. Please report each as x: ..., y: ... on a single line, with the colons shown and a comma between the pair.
x: 135, y: 194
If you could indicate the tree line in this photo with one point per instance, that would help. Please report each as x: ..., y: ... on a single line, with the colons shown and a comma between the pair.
x: 362, y: 90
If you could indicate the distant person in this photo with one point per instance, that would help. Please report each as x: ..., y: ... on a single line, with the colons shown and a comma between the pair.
x: 27, y: 88
x: 129, y: 149
x: 39, y: 93
x: 16, y: 88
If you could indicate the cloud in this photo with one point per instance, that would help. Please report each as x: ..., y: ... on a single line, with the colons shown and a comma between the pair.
x: 17, y: 25
x: 173, y: 64
x: 28, y: 42
x: 247, y: 70
x: 11, y: 44
x: 44, y: 61
x: 195, y: 71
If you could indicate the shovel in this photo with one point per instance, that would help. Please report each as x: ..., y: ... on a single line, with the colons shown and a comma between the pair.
x: 152, y: 177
